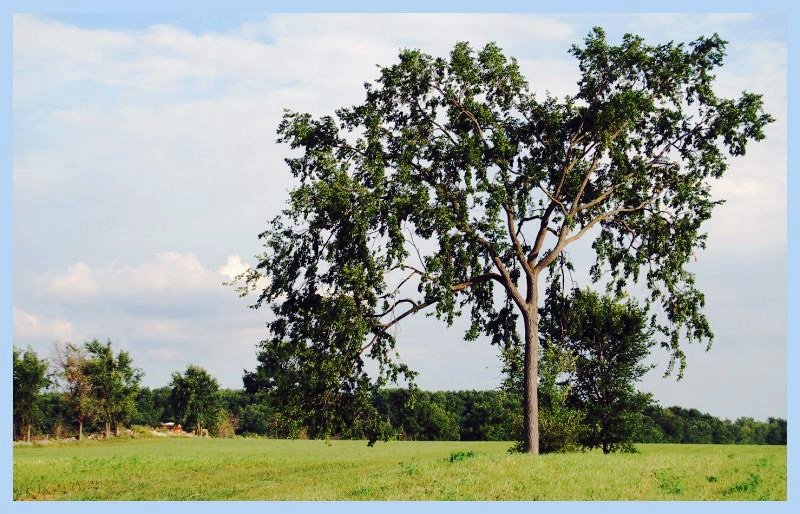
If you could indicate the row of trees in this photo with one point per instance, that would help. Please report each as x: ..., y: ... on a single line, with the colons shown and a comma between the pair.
x: 592, y: 353
x: 586, y: 400
x: 92, y: 385
x: 413, y: 415
x: 593, y: 347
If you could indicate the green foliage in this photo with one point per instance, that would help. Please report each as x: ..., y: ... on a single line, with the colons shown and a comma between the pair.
x: 607, y: 342
x: 411, y: 468
x: 224, y: 424
x: 459, y: 456
x: 258, y: 418
x: 561, y: 425
x: 153, y: 407
x: 29, y: 378
x: 72, y: 362
x: 459, y: 415
x: 142, y: 430
x: 437, y: 423
x: 776, y: 431
x: 195, y: 397
x: 690, y: 426
x: 114, y: 382
x: 498, y: 182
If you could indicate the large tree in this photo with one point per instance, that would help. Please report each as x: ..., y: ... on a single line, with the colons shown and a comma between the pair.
x: 29, y: 377
x: 114, y: 383
x: 453, y: 185
x: 194, y: 396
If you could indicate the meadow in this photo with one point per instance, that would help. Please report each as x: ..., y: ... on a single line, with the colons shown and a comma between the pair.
x: 267, y: 469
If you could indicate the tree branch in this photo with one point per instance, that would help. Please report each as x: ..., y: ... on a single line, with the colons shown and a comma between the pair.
x: 416, y: 306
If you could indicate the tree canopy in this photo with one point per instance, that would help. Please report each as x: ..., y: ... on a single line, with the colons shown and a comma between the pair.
x: 454, y: 186
x: 195, y: 395
x: 29, y: 377
x: 72, y: 364
x: 115, y: 383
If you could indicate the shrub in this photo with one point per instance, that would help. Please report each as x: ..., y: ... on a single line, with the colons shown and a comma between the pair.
x: 225, y: 425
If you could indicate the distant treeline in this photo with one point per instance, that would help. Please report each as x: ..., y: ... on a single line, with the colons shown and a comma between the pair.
x: 424, y: 416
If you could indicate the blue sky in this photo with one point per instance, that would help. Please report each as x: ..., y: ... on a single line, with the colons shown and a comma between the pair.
x: 145, y: 164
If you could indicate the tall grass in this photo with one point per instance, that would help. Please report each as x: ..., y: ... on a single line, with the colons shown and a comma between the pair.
x: 263, y: 469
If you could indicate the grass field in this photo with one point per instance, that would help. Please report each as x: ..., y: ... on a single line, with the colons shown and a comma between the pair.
x: 264, y: 469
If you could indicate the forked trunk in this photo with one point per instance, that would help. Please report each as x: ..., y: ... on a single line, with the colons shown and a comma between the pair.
x: 530, y: 436
x: 108, y: 429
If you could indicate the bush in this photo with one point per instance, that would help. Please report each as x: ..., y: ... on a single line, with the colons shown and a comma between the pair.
x: 560, y: 426
x: 225, y: 425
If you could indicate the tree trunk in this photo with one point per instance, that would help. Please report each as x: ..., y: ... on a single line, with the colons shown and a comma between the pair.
x: 80, y: 429
x: 530, y: 406
x: 108, y: 429
x: 29, y: 432
x: 116, y: 428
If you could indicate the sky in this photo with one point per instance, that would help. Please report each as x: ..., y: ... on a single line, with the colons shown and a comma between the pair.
x: 145, y: 165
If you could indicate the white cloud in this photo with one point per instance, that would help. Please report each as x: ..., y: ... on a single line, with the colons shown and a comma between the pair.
x: 166, y: 273
x: 79, y: 280
x: 167, y: 310
x: 233, y: 267
x: 32, y: 328
x: 331, y: 50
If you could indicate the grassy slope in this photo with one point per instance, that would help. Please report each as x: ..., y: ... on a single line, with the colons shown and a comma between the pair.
x: 260, y: 469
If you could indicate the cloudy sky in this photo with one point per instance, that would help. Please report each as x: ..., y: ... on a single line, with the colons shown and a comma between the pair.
x: 145, y: 165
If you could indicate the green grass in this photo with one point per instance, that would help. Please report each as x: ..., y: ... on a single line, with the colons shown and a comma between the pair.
x: 264, y: 469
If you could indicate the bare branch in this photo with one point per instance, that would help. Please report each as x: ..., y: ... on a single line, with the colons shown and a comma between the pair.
x: 400, y: 285
x: 394, y: 306
x: 417, y: 306
x: 605, y: 216
x: 553, y: 198
x: 512, y: 232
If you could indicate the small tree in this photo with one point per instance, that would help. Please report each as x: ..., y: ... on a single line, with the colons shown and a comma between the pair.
x: 195, y: 397
x: 608, y: 341
x: 72, y: 362
x: 114, y: 382
x: 30, y: 376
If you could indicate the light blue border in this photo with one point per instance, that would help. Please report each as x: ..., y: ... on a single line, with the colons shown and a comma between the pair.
x: 6, y: 236
x: 792, y: 255
x: 8, y: 7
